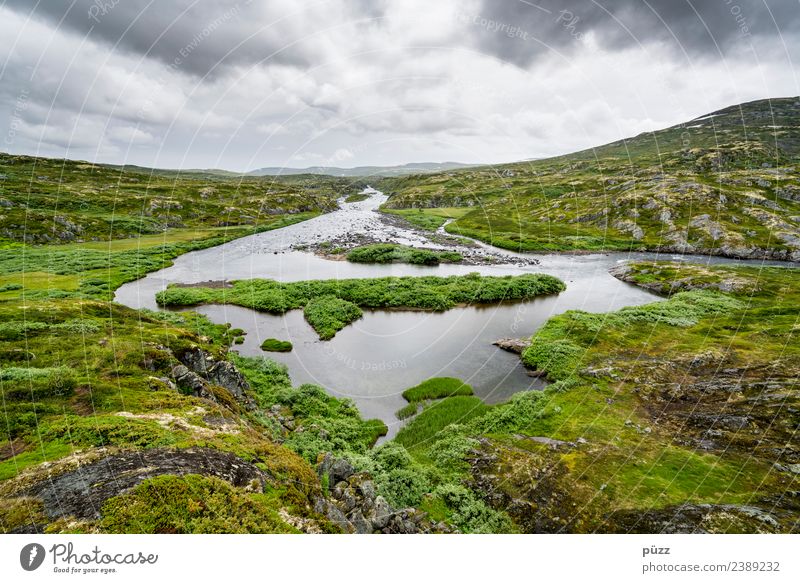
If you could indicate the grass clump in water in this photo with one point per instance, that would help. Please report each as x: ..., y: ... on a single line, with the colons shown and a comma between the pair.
x: 437, y: 388
x: 275, y: 345
x: 408, y: 411
x: 329, y: 314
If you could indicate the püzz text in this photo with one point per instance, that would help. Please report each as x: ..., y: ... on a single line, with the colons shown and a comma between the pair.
x: 655, y: 551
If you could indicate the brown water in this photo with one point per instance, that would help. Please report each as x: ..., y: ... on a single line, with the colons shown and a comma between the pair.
x: 373, y: 360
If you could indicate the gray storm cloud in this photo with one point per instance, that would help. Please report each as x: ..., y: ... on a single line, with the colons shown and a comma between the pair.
x: 698, y: 29
x: 203, y: 37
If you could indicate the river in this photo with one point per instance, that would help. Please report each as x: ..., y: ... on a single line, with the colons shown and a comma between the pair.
x: 374, y: 359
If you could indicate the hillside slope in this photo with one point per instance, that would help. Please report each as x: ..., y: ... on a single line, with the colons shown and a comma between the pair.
x: 724, y: 184
x: 45, y: 200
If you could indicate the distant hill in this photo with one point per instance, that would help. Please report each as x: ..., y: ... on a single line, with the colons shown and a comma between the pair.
x: 725, y: 183
x: 412, y: 168
x: 51, y: 200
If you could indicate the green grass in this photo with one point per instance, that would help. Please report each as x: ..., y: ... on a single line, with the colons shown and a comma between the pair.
x: 329, y: 314
x: 391, y: 253
x: 48, y: 201
x: 428, y: 219
x: 275, y: 345
x: 408, y: 411
x: 423, y: 429
x: 357, y: 197
x: 95, y: 270
x: 437, y: 388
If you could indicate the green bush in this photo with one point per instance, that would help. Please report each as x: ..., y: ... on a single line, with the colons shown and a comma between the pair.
x: 78, y: 326
x: 517, y: 414
x: 559, y: 358
x: 328, y: 316
x: 398, y: 478
x: 329, y: 424
x: 274, y: 345
x: 451, y: 447
x: 471, y: 514
x: 19, y: 383
x: 18, y: 330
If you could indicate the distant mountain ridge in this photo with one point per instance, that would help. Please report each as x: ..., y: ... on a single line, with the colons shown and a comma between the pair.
x: 400, y: 170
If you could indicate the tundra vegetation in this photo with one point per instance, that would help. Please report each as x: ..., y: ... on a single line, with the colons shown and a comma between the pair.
x: 676, y: 416
x: 723, y: 184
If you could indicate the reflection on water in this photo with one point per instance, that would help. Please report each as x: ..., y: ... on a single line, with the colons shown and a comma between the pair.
x: 373, y: 360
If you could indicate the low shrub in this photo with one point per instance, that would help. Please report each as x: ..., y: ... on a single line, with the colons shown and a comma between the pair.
x: 471, y: 514
x: 20, y: 383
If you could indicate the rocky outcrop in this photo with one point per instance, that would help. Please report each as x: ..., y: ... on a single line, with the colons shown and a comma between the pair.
x: 81, y: 492
x: 710, y: 404
x: 700, y: 278
x: 355, y: 507
x: 514, y: 345
x: 200, y: 370
x: 528, y: 483
x: 766, y: 517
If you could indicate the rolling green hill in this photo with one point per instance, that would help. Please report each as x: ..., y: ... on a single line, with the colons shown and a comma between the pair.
x: 63, y: 201
x: 724, y: 184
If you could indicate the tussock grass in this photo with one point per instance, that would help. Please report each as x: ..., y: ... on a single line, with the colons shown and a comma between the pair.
x: 275, y: 345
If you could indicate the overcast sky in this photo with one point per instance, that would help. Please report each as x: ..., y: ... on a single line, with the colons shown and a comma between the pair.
x: 245, y: 84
